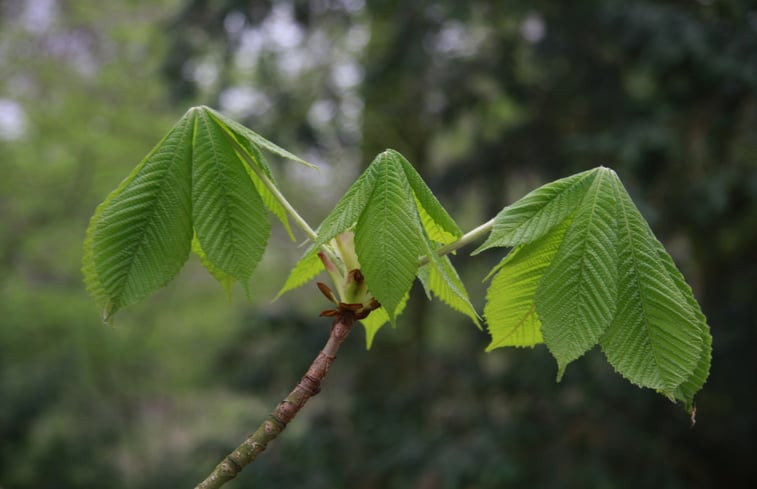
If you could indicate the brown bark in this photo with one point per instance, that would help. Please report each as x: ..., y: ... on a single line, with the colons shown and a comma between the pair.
x: 307, y: 387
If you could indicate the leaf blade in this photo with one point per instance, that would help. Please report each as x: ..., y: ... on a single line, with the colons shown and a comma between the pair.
x: 575, y: 299
x: 655, y: 339
x: 139, y: 237
x: 256, y: 139
x: 306, y: 268
x: 388, y: 238
x: 510, y: 309
x: 249, y: 154
x: 444, y: 282
x: 348, y: 210
x: 436, y: 221
x: 378, y: 318
x: 229, y: 216
x: 694, y: 383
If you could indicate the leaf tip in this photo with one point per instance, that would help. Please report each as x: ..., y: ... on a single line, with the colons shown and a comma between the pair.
x: 109, y: 311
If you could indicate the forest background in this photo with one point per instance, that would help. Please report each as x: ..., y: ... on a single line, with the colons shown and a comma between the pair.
x: 488, y: 99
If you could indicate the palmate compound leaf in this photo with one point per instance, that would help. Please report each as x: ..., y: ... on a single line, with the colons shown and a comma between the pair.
x: 656, y: 335
x: 193, y: 191
x: 395, y: 218
x: 139, y: 237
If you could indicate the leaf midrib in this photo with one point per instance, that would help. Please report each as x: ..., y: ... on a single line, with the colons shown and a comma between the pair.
x: 151, y: 213
x: 574, y: 312
x: 636, y: 275
x: 227, y: 232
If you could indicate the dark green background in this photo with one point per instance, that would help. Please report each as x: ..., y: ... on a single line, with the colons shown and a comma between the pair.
x: 488, y: 100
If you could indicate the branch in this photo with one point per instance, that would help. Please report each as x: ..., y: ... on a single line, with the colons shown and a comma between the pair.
x: 287, y: 409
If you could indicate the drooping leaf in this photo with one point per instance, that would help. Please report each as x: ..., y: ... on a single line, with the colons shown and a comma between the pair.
x: 377, y: 318
x: 444, y: 282
x: 433, y: 229
x: 244, y: 142
x: 139, y: 237
x: 346, y: 212
x: 206, y: 187
x: 308, y: 267
x: 395, y: 217
x: 576, y: 297
x: 388, y: 238
x: 269, y: 200
x: 226, y: 280
x: 694, y: 383
x: 229, y: 216
x: 537, y: 213
x: 598, y: 275
x: 438, y: 224
x: 510, y: 310
x: 655, y: 339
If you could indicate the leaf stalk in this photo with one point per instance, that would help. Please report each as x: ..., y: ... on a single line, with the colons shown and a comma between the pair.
x: 473, y: 235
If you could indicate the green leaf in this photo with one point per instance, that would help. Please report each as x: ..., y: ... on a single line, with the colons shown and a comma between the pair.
x: 346, y: 212
x: 269, y: 200
x: 139, y: 237
x: 249, y: 154
x: 394, y: 216
x: 226, y: 280
x: 433, y: 229
x: 444, y: 282
x: 377, y: 318
x: 537, y: 213
x: 229, y: 216
x: 688, y: 389
x: 388, y: 238
x: 423, y: 275
x: 246, y: 135
x: 576, y: 297
x: 438, y: 224
x: 510, y: 309
x: 599, y: 275
x: 656, y: 338
x: 308, y: 267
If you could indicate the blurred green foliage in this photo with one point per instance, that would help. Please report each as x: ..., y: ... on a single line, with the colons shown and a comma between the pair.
x: 487, y: 99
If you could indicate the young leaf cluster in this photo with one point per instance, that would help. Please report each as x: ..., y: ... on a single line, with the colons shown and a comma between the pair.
x: 202, y: 188
x: 586, y: 269
x: 396, y: 219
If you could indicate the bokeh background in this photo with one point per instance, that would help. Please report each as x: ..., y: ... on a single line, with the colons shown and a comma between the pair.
x: 488, y: 99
